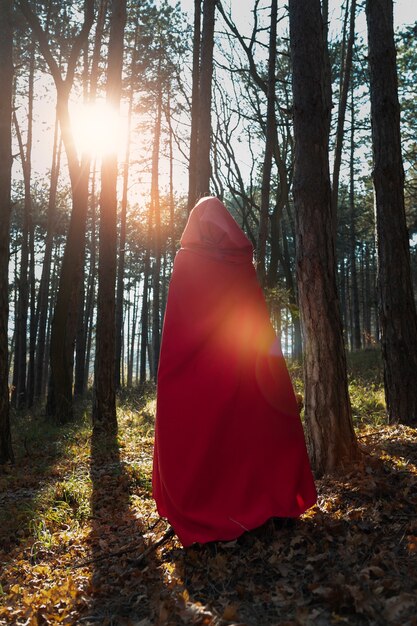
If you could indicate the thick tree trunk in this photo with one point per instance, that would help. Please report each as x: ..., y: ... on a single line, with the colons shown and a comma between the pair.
x: 80, y: 340
x: 327, y: 407
x: 195, y: 108
x: 6, y: 95
x: 64, y: 323
x: 269, y: 146
x: 104, y: 405
x: 85, y: 313
x: 397, y: 311
x: 206, y: 74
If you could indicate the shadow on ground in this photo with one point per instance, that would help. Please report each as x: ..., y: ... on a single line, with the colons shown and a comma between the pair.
x: 122, y: 591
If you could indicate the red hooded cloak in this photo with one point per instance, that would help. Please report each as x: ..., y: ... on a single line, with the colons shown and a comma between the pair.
x: 229, y: 445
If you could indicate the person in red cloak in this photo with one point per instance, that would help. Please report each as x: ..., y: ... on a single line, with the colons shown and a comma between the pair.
x: 229, y: 445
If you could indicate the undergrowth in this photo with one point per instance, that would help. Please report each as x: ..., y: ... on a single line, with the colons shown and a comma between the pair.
x: 74, y: 498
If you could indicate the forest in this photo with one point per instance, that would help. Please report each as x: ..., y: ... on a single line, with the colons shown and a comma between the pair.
x: 116, y: 116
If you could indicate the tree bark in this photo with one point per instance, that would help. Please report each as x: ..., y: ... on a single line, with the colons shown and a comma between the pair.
x: 356, y: 323
x: 123, y: 214
x: 43, y: 293
x: 89, y: 309
x: 345, y: 75
x: 397, y: 311
x: 144, y: 319
x: 156, y: 210
x: 90, y: 86
x: 206, y: 74
x: 327, y: 407
x: 269, y: 146
x: 6, y: 96
x: 192, y: 168
x: 19, y: 374
x: 104, y: 404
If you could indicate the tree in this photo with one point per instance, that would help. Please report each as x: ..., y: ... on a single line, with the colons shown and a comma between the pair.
x: 192, y: 169
x: 327, y: 406
x: 59, y: 406
x: 22, y: 393
x: 269, y: 147
x: 6, y: 95
x: 397, y: 311
x: 44, y: 287
x: 123, y: 216
x: 104, y: 406
x: 156, y: 212
x: 204, y: 106
x: 345, y: 74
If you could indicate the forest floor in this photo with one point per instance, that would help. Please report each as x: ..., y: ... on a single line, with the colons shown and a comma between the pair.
x: 77, y: 527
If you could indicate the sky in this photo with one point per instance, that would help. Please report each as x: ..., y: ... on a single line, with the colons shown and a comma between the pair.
x: 405, y: 12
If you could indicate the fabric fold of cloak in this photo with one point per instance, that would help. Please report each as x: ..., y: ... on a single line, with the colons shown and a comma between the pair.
x: 229, y: 445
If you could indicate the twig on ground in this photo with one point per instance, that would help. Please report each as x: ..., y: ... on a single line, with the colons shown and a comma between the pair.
x: 153, y: 546
x: 376, y: 432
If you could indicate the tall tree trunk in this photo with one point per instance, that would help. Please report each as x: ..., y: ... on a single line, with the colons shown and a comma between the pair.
x: 83, y: 338
x: 171, y: 184
x: 269, y: 146
x: 367, y: 300
x: 327, y: 69
x: 128, y: 342
x: 297, y: 349
x: 356, y: 324
x: 104, y: 405
x: 195, y: 108
x: 397, y: 311
x: 123, y: 214
x: 43, y: 293
x: 345, y: 75
x: 206, y: 74
x: 80, y: 341
x: 6, y: 94
x: 133, y: 325
x: 156, y: 210
x: 19, y: 393
x: 144, y: 319
x: 31, y: 311
x: 327, y: 407
x: 64, y: 323
x: 89, y: 313
x: 19, y: 374
x: 33, y: 320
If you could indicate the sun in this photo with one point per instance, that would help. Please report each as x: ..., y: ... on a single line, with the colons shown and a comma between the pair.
x: 97, y: 129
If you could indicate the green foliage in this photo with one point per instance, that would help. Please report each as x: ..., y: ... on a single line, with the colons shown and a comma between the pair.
x: 366, y: 388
